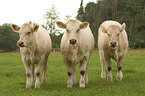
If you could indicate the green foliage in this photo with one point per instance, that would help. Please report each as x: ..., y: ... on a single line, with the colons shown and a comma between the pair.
x: 13, y: 77
x: 132, y: 12
x: 51, y: 17
x: 8, y: 39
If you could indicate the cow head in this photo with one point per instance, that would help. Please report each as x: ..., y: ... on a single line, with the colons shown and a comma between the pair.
x: 26, y: 33
x: 73, y: 29
x: 113, y: 33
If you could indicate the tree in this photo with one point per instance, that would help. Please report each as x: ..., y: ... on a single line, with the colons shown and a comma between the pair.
x: 8, y: 39
x: 51, y: 17
x: 130, y: 12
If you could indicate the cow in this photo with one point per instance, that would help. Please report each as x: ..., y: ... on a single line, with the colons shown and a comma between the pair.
x: 35, y: 47
x: 77, y: 44
x: 112, y: 43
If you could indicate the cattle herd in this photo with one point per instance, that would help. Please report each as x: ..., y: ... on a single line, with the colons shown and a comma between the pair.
x: 77, y: 44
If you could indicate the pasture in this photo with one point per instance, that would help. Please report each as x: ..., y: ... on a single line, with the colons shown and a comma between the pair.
x: 13, y: 78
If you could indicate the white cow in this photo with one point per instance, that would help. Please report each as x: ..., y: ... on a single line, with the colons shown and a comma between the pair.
x: 77, y: 44
x: 35, y: 47
x: 112, y: 43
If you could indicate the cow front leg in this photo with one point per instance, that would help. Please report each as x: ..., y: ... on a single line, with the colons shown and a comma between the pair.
x: 82, y: 70
x: 32, y: 76
x: 109, y: 67
x: 32, y: 67
x: 70, y: 72
x: 119, y: 67
x: 86, y: 73
x: 28, y: 74
x: 74, y: 73
x: 103, y: 74
x: 38, y: 72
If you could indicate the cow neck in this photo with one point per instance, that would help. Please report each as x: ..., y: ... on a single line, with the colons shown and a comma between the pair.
x: 73, y: 49
x: 34, y: 45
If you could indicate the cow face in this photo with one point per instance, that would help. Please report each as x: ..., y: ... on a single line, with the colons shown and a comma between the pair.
x: 113, y: 33
x: 26, y: 33
x: 73, y: 28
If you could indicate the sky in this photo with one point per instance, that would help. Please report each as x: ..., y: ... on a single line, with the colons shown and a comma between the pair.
x: 22, y: 11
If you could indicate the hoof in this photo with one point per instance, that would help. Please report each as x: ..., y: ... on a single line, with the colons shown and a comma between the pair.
x: 82, y: 83
x: 37, y: 84
x: 28, y: 85
x: 103, y: 75
x: 69, y: 84
x: 109, y: 78
x: 43, y: 81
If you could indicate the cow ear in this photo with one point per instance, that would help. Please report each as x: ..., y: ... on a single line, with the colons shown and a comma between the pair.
x: 61, y: 24
x: 35, y: 28
x: 103, y: 29
x: 84, y: 25
x: 122, y: 27
x: 16, y: 28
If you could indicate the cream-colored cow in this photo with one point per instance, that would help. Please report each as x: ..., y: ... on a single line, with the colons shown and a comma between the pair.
x: 77, y: 45
x: 112, y: 43
x: 35, y: 46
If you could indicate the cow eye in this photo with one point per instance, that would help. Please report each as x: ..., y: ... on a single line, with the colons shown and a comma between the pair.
x: 78, y: 30
x: 29, y: 32
x: 118, y: 34
x: 67, y: 31
x: 108, y: 34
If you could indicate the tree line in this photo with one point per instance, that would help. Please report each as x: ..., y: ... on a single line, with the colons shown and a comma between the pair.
x: 131, y: 12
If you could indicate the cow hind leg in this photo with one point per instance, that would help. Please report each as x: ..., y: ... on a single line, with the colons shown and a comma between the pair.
x: 44, y: 79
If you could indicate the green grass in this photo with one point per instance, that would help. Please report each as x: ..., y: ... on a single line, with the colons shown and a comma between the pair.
x: 13, y: 78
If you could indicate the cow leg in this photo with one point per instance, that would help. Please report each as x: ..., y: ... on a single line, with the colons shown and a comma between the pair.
x: 44, y: 79
x: 109, y: 67
x: 86, y: 75
x: 103, y: 74
x: 74, y: 73
x: 28, y: 72
x: 32, y: 76
x: 70, y: 76
x: 32, y: 67
x: 119, y: 66
x: 38, y: 71
x: 82, y: 70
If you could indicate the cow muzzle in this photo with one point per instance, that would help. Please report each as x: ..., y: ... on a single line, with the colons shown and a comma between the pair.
x: 73, y: 41
x: 20, y: 44
x: 113, y: 44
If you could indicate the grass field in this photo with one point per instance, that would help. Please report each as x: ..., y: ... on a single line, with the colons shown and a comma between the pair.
x: 13, y: 78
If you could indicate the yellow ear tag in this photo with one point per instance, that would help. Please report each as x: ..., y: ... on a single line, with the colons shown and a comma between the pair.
x: 85, y: 26
x: 35, y: 30
x: 60, y: 26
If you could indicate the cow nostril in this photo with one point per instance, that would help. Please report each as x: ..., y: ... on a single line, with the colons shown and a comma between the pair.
x: 75, y: 41
x: 111, y: 43
x: 115, y: 43
x: 22, y: 43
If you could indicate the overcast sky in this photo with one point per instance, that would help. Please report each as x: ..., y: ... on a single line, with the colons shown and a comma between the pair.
x: 22, y: 11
